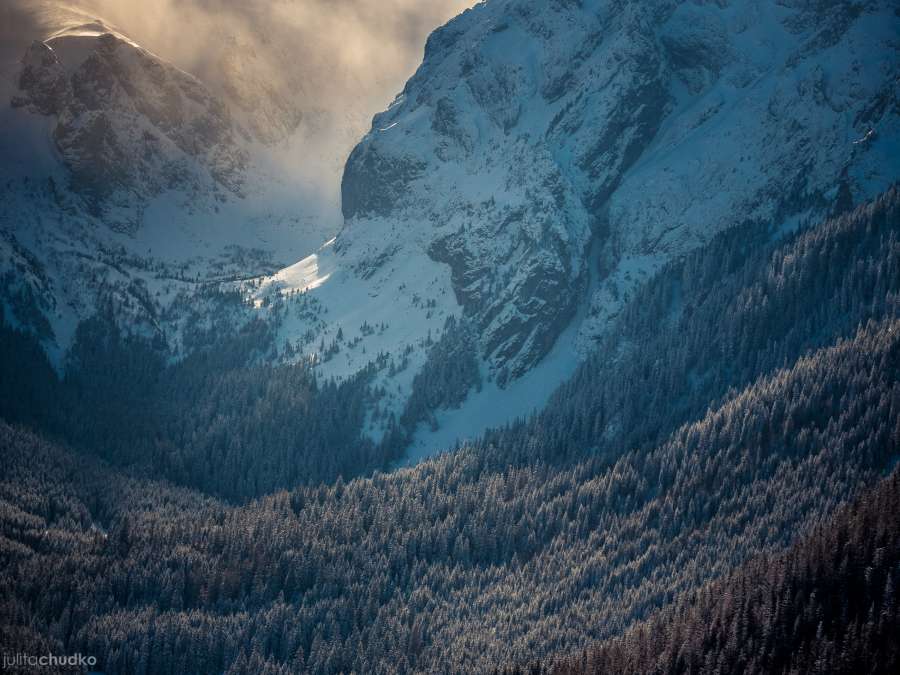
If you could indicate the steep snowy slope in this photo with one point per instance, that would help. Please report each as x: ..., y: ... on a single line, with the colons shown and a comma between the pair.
x: 126, y: 181
x: 548, y: 157
x: 533, y: 126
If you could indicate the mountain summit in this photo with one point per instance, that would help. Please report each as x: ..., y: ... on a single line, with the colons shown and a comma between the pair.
x: 534, y: 131
x: 126, y: 124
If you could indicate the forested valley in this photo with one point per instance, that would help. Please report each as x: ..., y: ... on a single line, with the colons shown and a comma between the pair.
x: 704, y: 469
x: 221, y: 420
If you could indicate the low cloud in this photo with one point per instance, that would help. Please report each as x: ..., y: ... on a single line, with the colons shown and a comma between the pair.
x: 312, y: 70
x: 326, y: 54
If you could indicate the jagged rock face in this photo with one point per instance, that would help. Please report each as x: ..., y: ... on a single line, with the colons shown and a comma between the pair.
x: 128, y: 125
x: 124, y: 181
x: 534, y: 127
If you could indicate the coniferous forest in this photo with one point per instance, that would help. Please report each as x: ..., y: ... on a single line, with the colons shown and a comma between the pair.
x: 426, y: 337
x: 714, y: 490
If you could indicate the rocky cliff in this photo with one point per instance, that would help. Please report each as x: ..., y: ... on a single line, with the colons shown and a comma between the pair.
x: 534, y: 128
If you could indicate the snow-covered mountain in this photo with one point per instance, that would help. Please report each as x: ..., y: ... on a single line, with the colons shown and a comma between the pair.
x: 548, y: 157
x: 534, y: 128
x: 199, y: 143
x: 127, y: 125
x: 127, y: 182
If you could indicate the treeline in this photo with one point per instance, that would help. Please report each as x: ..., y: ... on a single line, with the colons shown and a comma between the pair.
x: 451, y: 566
x: 449, y: 374
x: 221, y: 420
x: 830, y: 605
x: 733, y: 310
x: 770, y: 399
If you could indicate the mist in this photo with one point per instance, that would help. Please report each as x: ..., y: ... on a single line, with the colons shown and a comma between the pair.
x: 325, y: 66
x: 302, y: 77
x: 324, y: 45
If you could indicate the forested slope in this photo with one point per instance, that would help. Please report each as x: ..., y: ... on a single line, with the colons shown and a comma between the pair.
x: 450, y: 565
x: 829, y: 605
x: 221, y: 420
x: 739, y: 307
x: 674, y: 456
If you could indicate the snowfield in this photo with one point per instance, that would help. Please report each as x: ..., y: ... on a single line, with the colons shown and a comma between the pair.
x: 544, y: 161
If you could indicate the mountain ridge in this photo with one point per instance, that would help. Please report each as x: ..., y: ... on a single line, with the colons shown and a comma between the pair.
x: 657, y: 72
x: 521, y: 186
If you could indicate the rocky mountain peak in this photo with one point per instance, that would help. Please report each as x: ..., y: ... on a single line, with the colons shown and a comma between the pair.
x: 128, y: 125
x: 533, y: 129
